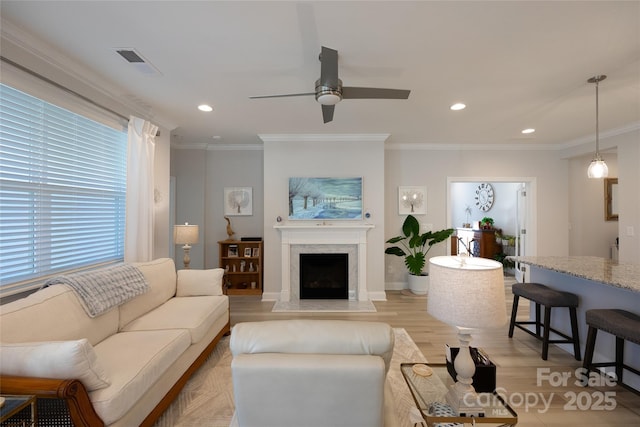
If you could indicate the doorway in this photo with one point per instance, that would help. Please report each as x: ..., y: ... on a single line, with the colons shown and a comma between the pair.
x: 512, y: 209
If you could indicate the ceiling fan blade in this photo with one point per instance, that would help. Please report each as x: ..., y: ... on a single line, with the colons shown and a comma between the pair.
x: 374, y: 93
x: 327, y: 112
x: 329, y: 67
x: 282, y: 96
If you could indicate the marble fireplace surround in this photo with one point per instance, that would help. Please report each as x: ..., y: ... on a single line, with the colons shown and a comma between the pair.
x: 324, y: 238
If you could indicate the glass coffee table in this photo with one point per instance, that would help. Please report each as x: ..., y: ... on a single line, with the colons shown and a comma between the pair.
x: 429, y: 395
x: 13, y: 410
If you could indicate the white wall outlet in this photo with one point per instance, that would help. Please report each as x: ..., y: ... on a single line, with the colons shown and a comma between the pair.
x: 630, y: 230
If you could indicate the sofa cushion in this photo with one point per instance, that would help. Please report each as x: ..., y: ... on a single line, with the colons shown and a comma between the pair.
x: 199, y: 282
x: 307, y: 336
x: 53, y: 314
x: 54, y: 359
x: 161, y: 277
x: 135, y: 361
x: 195, y: 314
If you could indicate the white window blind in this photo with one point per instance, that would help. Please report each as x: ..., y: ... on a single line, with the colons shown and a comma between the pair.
x: 62, y: 191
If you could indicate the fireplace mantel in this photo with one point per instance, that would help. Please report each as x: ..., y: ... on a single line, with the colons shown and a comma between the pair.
x: 323, y: 233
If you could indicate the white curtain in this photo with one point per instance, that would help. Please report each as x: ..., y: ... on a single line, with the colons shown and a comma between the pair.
x: 138, y: 236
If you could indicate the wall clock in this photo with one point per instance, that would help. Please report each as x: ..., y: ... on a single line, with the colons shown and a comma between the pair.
x: 484, y: 196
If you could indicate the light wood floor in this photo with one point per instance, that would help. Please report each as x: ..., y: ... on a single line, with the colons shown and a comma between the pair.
x: 518, y: 360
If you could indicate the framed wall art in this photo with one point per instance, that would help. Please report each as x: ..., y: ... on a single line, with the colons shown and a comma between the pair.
x: 232, y: 251
x: 611, y: 199
x: 412, y: 200
x: 238, y: 201
x: 325, y: 198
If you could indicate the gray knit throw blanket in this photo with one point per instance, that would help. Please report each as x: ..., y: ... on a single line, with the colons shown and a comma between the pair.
x: 101, y: 290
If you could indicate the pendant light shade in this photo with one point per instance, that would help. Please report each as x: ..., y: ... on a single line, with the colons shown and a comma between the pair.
x: 598, y: 168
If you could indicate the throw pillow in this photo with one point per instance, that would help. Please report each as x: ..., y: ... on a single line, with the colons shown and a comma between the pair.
x: 54, y: 359
x: 199, y: 282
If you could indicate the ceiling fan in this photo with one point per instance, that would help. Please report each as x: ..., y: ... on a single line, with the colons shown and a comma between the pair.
x: 329, y: 89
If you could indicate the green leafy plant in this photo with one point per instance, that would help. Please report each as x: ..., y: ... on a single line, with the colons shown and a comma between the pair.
x: 506, y: 262
x: 486, y: 220
x: 415, y: 246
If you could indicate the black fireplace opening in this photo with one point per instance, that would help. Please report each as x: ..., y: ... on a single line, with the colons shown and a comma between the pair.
x: 324, y: 276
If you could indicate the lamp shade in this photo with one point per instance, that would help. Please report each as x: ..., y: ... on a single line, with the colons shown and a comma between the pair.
x: 185, y: 234
x: 467, y: 292
x: 597, y: 169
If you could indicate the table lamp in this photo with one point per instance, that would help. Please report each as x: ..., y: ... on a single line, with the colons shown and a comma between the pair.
x: 467, y: 293
x: 185, y: 235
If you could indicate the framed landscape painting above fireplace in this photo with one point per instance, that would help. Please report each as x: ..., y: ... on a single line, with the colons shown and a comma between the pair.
x: 325, y: 198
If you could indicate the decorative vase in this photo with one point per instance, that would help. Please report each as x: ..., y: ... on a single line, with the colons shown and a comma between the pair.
x: 419, y: 285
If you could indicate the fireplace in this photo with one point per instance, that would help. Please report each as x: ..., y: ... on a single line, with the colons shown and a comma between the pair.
x: 324, y: 275
x: 314, y: 238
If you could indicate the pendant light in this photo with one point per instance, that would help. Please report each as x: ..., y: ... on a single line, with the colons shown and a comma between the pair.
x: 598, y: 168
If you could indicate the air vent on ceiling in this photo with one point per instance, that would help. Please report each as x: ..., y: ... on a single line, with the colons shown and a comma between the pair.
x: 130, y: 55
x: 138, y: 61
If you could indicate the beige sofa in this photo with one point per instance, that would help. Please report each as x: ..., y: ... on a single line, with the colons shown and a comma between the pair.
x: 312, y: 373
x: 123, y: 367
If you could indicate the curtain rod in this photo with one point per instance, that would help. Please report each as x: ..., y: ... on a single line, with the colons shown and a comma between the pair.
x: 64, y: 88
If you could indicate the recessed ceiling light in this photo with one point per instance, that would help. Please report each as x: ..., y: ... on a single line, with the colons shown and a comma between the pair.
x: 458, y: 106
x: 206, y: 108
x: 528, y: 131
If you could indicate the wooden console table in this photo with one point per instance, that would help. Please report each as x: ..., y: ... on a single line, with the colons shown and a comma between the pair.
x: 481, y: 243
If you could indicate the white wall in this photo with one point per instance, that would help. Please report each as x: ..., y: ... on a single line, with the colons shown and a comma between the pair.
x: 322, y: 156
x: 189, y: 167
x: 629, y: 192
x: 232, y: 168
x: 621, y: 151
x: 431, y: 168
x: 589, y: 233
x: 567, y: 207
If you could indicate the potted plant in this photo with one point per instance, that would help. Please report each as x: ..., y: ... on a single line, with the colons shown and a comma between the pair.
x: 486, y: 223
x: 414, y: 248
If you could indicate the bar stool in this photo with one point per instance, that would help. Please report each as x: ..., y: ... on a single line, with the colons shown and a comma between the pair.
x: 623, y: 324
x: 549, y: 298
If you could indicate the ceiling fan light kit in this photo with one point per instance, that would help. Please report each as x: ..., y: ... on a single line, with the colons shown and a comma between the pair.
x: 329, y: 89
x: 326, y: 95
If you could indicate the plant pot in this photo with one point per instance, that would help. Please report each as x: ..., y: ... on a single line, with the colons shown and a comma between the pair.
x: 419, y: 285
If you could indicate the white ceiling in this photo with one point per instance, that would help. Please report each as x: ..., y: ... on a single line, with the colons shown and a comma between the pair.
x: 515, y: 64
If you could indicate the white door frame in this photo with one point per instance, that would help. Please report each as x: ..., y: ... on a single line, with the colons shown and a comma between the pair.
x: 531, y: 225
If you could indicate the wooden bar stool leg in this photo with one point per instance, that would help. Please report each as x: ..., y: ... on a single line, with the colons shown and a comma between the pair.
x: 514, y: 311
x: 589, y: 348
x: 619, y: 358
x: 538, y: 319
x: 574, y: 332
x: 545, y: 327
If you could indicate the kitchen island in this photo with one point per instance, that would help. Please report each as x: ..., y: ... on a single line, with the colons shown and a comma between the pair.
x: 599, y: 283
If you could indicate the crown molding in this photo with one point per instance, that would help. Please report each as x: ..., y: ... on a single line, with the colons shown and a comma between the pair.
x: 515, y: 146
x: 469, y: 147
x: 216, y: 147
x: 363, y: 137
x: 604, y: 135
x: 34, y: 50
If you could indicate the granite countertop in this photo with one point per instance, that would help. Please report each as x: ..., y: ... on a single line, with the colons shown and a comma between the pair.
x: 603, y: 270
